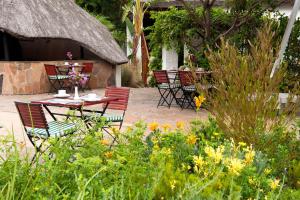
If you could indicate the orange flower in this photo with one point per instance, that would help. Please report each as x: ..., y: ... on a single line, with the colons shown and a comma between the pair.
x: 166, y: 127
x: 108, y: 154
x: 180, y: 125
x: 191, y: 139
x: 104, y: 142
x: 199, y: 100
x: 153, y: 126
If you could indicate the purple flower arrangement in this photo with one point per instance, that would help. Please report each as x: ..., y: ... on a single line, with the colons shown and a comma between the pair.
x: 75, y: 77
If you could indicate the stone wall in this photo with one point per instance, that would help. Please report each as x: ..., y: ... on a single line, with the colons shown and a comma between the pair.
x: 30, y: 77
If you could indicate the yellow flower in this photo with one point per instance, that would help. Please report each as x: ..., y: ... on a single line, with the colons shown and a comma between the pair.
x: 153, y: 126
x: 274, y: 184
x: 251, y: 181
x: 166, y: 127
x: 235, y: 166
x: 199, y: 100
x: 156, y: 147
x: 242, y: 144
x: 108, y: 154
x: 249, y: 156
x: 216, y: 155
x: 172, y: 184
x: 198, y: 160
x: 104, y: 142
x: 209, y: 151
x: 216, y: 134
x: 267, y: 171
x: 196, y: 169
x: 180, y: 125
x: 154, y: 140
x: 167, y: 151
x: 191, y: 139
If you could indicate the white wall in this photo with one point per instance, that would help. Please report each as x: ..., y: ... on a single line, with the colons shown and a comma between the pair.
x: 118, y: 76
x: 169, y: 59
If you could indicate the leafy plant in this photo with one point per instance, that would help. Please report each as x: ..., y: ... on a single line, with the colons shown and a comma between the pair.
x: 173, y: 163
x: 109, y: 13
x: 245, y: 102
x: 246, y: 99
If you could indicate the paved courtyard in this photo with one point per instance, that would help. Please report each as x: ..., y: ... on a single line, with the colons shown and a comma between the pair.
x: 142, y: 106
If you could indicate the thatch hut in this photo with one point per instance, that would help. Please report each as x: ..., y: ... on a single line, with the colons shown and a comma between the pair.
x: 34, y: 32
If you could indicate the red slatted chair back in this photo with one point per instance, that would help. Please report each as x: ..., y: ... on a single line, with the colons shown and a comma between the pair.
x: 161, y: 76
x: 50, y: 70
x: 32, y: 115
x: 87, y: 68
x: 186, y: 78
x: 120, y: 92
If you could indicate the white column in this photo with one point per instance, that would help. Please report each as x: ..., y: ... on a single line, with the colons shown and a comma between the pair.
x: 169, y: 59
x: 118, y: 76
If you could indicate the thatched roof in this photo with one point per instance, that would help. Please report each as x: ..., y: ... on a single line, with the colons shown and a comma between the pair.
x: 61, y: 19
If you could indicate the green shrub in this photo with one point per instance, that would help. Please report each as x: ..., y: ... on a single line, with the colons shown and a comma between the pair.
x: 292, y: 55
x: 245, y: 103
x: 172, y: 163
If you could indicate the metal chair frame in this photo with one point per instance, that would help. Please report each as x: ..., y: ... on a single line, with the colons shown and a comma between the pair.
x: 122, y: 93
x: 166, y: 90
x: 33, y: 116
x: 55, y: 83
x: 187, y: 81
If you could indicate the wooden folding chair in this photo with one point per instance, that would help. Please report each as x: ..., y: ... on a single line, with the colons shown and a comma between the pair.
x: 56, y: 80
x: 37, y: 128
x: 166, y: 89
x: 188, y: 88
x: 87, y: 70
x: 118, y: 107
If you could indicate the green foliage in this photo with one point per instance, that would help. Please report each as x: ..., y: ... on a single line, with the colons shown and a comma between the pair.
x: 292, y: 55
x: 173, y: 163
x: 155, y: 63
x: 175, y: 28
x: 109, y: 13
x: 245, y: 104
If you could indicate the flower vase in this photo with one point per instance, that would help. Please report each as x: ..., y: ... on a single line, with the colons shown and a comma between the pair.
x: 76, y: 95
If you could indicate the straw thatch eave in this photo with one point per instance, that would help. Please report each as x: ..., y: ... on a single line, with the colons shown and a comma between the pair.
x: 59, y: 19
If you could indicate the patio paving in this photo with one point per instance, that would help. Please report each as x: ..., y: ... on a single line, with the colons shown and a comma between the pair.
x: 142, y: 106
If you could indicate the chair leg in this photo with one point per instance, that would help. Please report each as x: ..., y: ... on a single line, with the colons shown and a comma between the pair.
x: 164, y: 97
x: 36, y: 147
x: 174, y: 95
x: 185, y: 99
x: 53, y: 85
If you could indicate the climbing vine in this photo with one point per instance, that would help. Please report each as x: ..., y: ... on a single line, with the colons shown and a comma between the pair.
x: 175, y: 28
